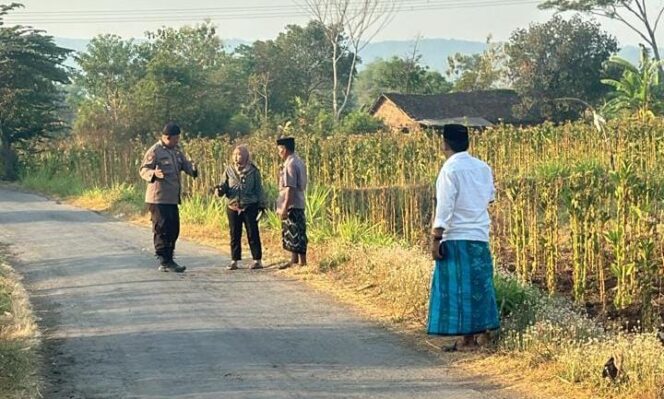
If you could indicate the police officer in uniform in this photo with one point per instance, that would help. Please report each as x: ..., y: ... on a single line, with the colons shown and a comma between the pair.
x: 161, y: 168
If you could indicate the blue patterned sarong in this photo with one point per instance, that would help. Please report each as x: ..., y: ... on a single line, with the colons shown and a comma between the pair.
x: 463, y: 298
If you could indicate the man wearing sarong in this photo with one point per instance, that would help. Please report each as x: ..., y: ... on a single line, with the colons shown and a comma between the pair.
x: 291, y: 202
x: 463, y: 299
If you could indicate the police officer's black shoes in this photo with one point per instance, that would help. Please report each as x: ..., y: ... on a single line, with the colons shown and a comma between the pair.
x: 171, y: 266
x: 162, y: 263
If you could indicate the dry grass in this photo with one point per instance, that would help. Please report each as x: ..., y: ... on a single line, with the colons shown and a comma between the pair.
x: 19, y: 339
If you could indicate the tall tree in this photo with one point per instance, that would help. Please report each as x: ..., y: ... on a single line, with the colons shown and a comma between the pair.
x: 632, y: 13
x: 131, y: 89
x: 559, y: 58
x: 355, y: 24
x: 478, y: 71
x: 109, y: 69
x: 31, y: 71
x: 265, y: 82
x: 398, y: 75
x: 295, y: 65
x: 308, y: 55
x: 179, y: 80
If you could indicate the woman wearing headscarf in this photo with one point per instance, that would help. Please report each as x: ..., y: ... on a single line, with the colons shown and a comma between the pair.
x: 242, y: 185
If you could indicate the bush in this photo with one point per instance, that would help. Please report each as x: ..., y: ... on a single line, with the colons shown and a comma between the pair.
x: 239, y: 125
x: 360, y: 122
x: 313, y: 118
x: 516, y: 301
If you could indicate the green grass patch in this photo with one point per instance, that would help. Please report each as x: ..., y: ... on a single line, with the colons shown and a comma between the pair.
x: 120, y: 198
x: 18, y: 370
x: 356, y: 231
x: 54, y: 184
x: 516, y: 301
x: 5, y: 300
x: 118, y: 193
x: 205, y: 210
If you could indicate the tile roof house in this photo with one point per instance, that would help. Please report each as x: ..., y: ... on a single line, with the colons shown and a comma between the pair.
x: 478, y: 109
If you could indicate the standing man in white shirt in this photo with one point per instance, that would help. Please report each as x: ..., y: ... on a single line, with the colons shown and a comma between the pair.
x: 463, y: 298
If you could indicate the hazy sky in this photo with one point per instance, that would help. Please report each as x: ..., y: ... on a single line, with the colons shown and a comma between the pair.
x: 264, y: 19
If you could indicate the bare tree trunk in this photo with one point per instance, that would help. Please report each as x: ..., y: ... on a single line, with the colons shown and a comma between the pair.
x: 337, y: 17
x: 650, y: 29
x: 622, y: 11
x: 266, y: 97
x: 371, y: 17
x: 335, y: 78
x: 641, y: 14
x: 349, y: 83
x: 413, y: 61
x: 259, y: 87
x: 653, y: 43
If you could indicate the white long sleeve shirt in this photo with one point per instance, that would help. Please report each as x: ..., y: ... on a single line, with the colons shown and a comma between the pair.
x: 464, y: 189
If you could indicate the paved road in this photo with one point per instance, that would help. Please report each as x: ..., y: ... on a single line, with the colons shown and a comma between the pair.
x: 117, y: 328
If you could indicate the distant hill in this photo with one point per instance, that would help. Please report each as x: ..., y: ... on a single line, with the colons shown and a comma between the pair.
x: 72, y: 44
x: 434, y: 52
